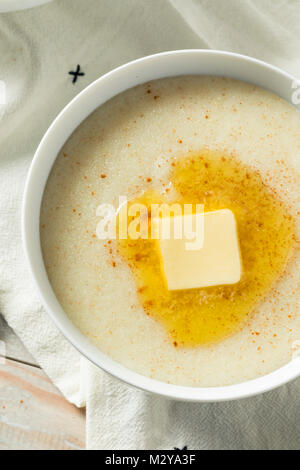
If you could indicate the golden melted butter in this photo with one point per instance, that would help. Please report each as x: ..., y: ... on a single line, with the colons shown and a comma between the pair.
x: 266, y: 234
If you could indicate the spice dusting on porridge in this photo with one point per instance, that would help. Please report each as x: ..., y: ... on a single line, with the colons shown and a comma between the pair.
x: 266, y: 232
x: 218, y: 142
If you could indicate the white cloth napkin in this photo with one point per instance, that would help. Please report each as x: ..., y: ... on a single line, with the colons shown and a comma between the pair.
x: 38, y: 47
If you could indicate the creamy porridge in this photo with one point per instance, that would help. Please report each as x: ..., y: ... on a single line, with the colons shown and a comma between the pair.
x: 214, y: 141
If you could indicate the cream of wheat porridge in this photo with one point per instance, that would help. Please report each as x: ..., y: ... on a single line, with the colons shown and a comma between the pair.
x: 153, y: 140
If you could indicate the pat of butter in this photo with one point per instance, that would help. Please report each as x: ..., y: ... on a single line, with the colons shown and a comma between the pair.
x: 216, y: 262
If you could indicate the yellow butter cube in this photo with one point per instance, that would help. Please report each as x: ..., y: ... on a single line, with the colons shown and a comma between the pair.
x: 216, y: 262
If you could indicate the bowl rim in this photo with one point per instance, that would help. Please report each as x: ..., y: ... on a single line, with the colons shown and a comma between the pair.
x: 16, y: 5
x: 33, y: 255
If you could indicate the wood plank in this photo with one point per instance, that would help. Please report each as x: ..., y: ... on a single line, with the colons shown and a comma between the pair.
x: 33, y: 413
x: 14, y: 347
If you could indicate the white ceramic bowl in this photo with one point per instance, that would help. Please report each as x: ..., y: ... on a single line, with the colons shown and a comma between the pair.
x: 143, y: 70
x: 14, y: 5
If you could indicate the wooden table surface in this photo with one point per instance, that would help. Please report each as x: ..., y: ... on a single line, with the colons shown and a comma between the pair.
x: 33, y: 413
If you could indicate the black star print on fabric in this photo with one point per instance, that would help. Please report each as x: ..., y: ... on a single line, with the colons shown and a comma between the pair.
x: 76, y: 74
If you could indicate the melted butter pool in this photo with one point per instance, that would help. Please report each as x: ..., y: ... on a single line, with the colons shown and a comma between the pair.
x: 266, y: 235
